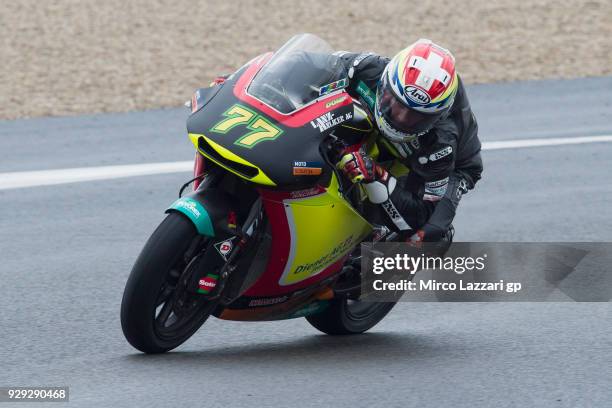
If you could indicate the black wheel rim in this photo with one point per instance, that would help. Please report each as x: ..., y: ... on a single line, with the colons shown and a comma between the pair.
x: 177, y: 310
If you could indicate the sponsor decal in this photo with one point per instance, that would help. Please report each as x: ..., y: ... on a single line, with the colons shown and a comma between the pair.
x: 335, y: 102
x: 435, y: 190
x: 302, y: 168
x: 437, y: 183
x: 196, y: 212
x: 329, y: 120
x: 395, y: 216
x: 189, y: 205
x: 437, y: 155
x: 307, y: 171
x: 225, y: 247
x: 366, y: 93
x: 324, y: 90
x: 268, y: 301
x: 261, y: 129
x: 326, y: 259
x: 305, y: 193
x: 416, y: 95
x: 208, y: 283
x: 306, y: 164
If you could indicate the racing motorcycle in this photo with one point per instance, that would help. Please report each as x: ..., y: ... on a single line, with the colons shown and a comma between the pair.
x: 270, y: 229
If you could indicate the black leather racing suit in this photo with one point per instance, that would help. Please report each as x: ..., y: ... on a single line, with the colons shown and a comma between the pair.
x: 444, y: 163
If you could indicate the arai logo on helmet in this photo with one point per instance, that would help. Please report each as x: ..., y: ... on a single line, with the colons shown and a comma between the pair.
x: 416, y: 95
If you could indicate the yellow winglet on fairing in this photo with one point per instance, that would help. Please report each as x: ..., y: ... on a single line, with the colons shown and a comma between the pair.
x: 226, y: 158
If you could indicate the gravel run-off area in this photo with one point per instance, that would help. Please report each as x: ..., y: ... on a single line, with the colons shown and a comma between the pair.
x: 66, y: 57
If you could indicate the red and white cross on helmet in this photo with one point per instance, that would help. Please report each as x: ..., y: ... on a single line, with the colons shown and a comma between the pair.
x: 417, y: 87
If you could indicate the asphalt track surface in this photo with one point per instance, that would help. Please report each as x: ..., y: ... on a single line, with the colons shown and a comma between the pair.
x: 66, y: 252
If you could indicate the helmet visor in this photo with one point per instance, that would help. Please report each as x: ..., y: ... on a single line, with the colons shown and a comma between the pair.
x: 401, y: 117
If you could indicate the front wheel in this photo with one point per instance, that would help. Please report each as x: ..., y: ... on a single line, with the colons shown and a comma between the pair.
x: 346, y: 316
x: 157, y: 312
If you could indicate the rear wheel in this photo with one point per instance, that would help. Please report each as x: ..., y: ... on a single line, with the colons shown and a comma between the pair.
x: 346, y: 316
x: 157, y: 312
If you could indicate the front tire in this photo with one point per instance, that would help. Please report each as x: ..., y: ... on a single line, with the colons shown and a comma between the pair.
x: 345, y: 316
x: 153, y: 291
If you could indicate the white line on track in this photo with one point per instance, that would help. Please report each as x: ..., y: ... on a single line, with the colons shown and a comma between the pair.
x: 76, y: 175
x: 556, y: 141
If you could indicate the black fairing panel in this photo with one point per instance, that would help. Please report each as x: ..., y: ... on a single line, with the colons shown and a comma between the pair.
x: 357, y: 129
x: 274, y: 157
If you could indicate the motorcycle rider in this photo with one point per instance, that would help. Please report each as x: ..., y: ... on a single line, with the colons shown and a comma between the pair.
x: 425, y: 123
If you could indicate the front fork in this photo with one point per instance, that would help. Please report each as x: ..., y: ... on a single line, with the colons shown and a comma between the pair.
x: 214, y: 266
x: 211, y: 271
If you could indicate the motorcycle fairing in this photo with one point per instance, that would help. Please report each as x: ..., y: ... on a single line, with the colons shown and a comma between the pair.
x: 313, y: 228
x: 229, y: 160
x: 219, y: 133
x: 196, y: 212
x: 294, y: 119
x: 361, y: 121
x: 311, y: 237
x: 208, y: 211
x: 298, y: 306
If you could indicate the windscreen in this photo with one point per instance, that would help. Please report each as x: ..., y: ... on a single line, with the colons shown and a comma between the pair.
x: 299, y: 72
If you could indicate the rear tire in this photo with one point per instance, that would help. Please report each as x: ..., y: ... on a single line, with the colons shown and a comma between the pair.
x: 151, y: 281
x: 344, y: 316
